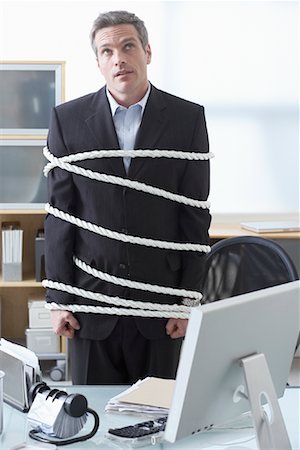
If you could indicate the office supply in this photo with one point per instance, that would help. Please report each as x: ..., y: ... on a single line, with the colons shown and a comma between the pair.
x: 40, y: 255
x: 12, y: 246
x: 225, y: 344
x: 55, y: 414
x: 151, y: 396
x: 39, y: 316
x: 275, y: 226
x: 140, y: 434
x: 22, y: 371
x: 42, y: 340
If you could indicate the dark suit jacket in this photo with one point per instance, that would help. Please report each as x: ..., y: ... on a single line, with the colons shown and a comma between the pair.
x: 85, y: 124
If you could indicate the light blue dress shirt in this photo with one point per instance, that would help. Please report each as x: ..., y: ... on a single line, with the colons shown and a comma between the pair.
x: 127, y: 122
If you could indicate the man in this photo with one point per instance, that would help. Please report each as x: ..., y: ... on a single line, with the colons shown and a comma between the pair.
x: 128, y: 113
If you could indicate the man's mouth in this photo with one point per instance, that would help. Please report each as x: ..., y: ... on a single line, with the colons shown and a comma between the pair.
x: 122, y: 73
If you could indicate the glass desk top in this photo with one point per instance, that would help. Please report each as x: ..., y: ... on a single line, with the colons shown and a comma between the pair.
x: 239, y: 435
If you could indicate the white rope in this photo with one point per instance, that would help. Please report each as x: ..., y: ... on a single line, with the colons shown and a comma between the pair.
x: 116, y: 311
x: 135, y: 284
x: 125, y: 237
x: 137, y: 153
x: 60, y: 162
x: 143, y: 309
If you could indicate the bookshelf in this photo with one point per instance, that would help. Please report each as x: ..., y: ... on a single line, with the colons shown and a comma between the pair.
x: 15, y: 294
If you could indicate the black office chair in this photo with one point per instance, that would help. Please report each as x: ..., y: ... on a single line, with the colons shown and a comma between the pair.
x: 244, y: 264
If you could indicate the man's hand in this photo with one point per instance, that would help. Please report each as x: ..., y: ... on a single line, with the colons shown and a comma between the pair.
x: 64, y: 323
x: 176, y: 328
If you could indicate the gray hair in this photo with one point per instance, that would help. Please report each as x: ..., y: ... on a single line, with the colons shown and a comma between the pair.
x: 112, y: 18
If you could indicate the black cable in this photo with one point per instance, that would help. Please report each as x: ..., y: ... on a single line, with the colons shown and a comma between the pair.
x: 34, y: 434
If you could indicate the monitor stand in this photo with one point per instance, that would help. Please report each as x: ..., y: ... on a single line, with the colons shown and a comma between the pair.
x: 269, y: 424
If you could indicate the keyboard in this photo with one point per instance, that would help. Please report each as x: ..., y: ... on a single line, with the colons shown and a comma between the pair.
x: 140, y: 430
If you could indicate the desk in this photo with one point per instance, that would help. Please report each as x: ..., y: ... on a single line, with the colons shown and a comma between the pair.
x: 289, y: 241
x: 16, y: 429
x: 221, y: 230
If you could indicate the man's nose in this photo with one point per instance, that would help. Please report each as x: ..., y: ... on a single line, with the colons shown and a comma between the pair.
x: 119, y: 58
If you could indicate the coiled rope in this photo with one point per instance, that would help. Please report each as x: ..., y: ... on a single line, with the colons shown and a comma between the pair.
x: 135, y: 284
x: 64, y: 163
x: 125, y: 237
x: 145, y: 309
x: 132, y: 307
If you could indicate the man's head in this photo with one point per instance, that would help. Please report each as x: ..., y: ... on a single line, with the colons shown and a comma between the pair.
x: 112, y: 18
x: 120, y: 41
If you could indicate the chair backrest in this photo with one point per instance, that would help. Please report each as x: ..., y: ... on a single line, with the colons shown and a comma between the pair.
x: 244, y: 264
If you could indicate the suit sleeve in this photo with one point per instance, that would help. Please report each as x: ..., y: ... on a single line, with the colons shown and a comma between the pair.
x: 195, y: 222
x: 59, y: 235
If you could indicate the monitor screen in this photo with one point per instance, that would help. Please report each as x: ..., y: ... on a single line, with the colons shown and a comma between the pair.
x: 219, y: 335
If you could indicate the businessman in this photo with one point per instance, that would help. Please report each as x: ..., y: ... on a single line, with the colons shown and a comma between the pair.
x: 127, y: 113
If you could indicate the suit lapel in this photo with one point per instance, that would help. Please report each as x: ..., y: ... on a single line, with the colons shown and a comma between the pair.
x: 153, y: 124
x: 101, y: 125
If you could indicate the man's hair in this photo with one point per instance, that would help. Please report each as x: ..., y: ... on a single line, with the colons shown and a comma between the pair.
x: 112, y: 18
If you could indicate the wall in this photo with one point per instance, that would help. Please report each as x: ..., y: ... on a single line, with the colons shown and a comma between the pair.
x: 238, y: 58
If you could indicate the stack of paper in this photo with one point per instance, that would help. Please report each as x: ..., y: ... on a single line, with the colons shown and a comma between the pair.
x: 22, y: 370
x: 151, y: 396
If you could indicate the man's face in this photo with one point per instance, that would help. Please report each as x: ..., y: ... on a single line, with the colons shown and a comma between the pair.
x: 123, y: 62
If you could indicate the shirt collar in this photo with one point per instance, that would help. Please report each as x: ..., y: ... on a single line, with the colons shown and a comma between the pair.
x: 115, y: 105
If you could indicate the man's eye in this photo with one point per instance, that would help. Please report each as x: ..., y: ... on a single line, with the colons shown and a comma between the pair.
x: 129, y: 46
x: 106, y: 51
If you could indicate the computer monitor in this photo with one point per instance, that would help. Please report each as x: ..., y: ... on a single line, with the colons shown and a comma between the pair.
x: 213, y: 379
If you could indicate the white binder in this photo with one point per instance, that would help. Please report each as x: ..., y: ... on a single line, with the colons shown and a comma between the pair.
x: 22, y: 370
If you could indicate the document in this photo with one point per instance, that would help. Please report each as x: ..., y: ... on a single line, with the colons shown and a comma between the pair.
x: 151, y: 396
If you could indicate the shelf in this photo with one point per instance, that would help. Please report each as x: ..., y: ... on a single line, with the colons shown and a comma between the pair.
x: 8, y: 212
x: 49, y: 356
x: 21, y: 284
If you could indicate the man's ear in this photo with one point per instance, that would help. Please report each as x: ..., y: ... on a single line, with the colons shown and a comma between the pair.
x: 148, y: 53
x: 98, y: 64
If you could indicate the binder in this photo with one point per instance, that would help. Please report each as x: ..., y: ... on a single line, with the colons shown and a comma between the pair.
x: 12, y: 248
x: 22, y: 370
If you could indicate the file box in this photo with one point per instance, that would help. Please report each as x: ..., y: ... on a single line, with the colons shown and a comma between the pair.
x: 39, y: 316
x: 42, y: 340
